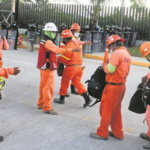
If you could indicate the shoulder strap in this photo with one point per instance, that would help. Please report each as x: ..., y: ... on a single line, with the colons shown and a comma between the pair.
x: 97, y: 101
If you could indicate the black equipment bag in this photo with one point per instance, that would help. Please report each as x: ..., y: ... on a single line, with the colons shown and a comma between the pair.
x: 96, y: 84
x: 146, y: 93
x: 60, y: 68
x: 136, y: 104
x: 140, y: 99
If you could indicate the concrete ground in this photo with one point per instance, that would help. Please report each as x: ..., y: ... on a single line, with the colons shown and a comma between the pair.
x: 24, y: 127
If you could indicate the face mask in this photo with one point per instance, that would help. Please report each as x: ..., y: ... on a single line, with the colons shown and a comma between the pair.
x: 76, y: 34
x: 50, y: 34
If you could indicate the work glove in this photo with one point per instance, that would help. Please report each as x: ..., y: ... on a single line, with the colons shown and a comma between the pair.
x: 16, y: 70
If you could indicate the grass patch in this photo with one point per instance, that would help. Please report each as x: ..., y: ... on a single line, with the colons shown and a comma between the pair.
x: 134, y: 51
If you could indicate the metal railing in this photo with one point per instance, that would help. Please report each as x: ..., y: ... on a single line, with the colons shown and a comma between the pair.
x: 136, y: 18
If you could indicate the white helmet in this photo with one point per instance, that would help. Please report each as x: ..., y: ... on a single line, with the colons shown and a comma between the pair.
x: 50, y: 27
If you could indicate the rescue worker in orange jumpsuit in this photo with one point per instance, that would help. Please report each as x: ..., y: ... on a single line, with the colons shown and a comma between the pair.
x: 73, y: 71
x: 47, y: 63
x: 4, y: 72
x: 75, y: 29
x: 145, y: 51
x: 117, y: 71
x: 3, y: 46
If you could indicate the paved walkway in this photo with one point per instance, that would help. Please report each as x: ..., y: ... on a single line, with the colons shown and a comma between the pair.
x: 25, y: 127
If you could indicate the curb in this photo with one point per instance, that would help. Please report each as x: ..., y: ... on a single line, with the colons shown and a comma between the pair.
x: 136, y: 63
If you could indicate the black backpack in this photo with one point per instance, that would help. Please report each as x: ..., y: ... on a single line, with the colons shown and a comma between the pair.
x: 140, y: 99
x: 146, y: 93
x: 96, y: 84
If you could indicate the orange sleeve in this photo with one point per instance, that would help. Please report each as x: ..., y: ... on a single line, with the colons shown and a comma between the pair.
x: 105, y: 68
x: 50, y: 46
x: 4, y: 72
x: 80, y: 42
x: 105, y: 57
x: 114, y: 59
x: 5, y: 44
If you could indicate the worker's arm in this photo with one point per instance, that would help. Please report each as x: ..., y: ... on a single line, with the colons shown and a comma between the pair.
x: 147, y: 77
x: 4, y: 72
x: 106, y: 57
x: 5, y: 44
x: 50, y: 46
x: 109, y: 68
x: 112, y: 65
x: 87, y: 43
x: 82, y: 42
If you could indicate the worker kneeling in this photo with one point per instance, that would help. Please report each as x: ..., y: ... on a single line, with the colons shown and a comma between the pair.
x: 73, y: 71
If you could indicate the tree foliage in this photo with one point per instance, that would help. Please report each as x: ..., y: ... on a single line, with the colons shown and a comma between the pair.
x: 97, y: 7
x: 138, y: 3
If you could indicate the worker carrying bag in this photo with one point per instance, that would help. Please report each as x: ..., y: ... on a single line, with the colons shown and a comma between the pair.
x: 96, y: 84
x: 141, y: 98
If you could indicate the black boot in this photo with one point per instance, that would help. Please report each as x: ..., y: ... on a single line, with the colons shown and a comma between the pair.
x: 1, y: 138
x: 60, y: 100
x: 67, y: 95
x: 73, y: 90
x: 87, y: 99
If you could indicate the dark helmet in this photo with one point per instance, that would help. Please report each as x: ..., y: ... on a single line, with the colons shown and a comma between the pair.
x: 32, y: 26
x: 107, y: 27
x: 63, y: 25
x: 97, y: 28
x: 128, y: 29
x: 14, y: 24
x: 123, y: 29
x: 112, y: 28
x: 86, y: 27
x: 115, y: 27
x: 3, y: 25
x: 119, y: 29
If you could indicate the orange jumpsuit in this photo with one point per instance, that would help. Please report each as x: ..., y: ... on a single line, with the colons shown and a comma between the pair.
x: 147, y: 115
x: 73, y: 71
x: 3, y: 45
x: 46, y: 89
x: 111, y: 101
x: 147, y: 118
x: 4, y: 72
